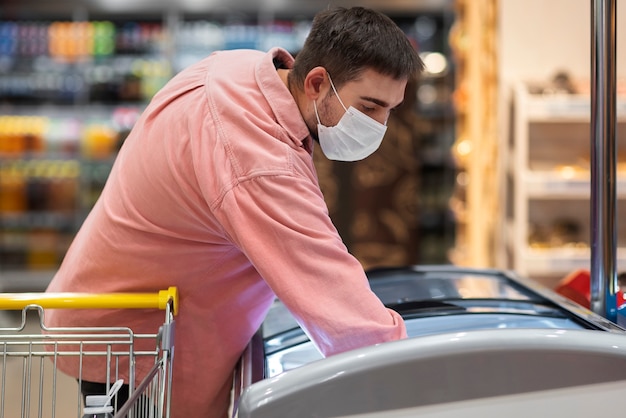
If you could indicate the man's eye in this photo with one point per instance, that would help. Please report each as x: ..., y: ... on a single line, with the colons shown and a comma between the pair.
x: 368, y: 108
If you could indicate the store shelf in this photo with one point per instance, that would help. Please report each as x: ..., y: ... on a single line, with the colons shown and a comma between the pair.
x: 559, y: 108
x: 561, y: 261
x: 25, y: 280
x: 558, y: 185
x: 38, y: 220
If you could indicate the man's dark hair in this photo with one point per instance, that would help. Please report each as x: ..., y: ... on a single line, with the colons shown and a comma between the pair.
x: 347, y: 41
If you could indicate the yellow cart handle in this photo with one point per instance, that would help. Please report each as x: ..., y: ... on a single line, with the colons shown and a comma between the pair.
x: 68, y: 300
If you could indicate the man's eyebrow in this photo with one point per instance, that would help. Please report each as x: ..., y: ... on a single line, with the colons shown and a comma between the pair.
x: 376, y: 101
x: 379, y: 102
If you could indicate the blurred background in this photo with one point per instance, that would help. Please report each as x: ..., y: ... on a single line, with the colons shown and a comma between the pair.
x: 472, y: 171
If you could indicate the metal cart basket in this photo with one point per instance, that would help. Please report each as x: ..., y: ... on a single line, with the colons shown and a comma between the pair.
x: 31, y: 384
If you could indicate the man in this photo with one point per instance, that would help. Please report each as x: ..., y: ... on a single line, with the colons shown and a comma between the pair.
x: 214, y: 191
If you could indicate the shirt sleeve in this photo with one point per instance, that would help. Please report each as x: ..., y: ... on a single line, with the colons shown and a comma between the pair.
x: 282, y: 225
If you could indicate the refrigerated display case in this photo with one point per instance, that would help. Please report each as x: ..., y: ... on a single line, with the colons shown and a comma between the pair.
x: 474, y: 335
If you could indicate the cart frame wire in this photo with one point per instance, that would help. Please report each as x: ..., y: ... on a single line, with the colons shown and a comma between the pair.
x: 33, y: 351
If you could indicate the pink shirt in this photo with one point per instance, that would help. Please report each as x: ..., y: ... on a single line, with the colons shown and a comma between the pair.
x: 215, y: 192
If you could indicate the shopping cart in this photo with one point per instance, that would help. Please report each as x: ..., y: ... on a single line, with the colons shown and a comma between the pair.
x: 31, y: 384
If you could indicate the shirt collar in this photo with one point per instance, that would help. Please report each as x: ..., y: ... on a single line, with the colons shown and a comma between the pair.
x: 280, y: 98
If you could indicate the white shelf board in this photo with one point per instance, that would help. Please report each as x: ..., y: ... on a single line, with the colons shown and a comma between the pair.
x: 554, y: 108
x: 553, y: 185
x: 563, y: 260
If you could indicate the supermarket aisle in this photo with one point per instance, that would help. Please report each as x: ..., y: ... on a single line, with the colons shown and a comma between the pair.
x: 28, y: 385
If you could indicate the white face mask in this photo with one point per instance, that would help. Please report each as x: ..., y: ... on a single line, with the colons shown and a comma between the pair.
x: 354, y: 138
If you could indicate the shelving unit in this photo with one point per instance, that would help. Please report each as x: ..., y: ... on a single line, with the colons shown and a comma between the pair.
x: 70, y: 91
x: 45, y: 192
x: 548, y: 184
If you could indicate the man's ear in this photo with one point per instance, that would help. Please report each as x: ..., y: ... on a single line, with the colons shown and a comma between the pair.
x: 316, y: 83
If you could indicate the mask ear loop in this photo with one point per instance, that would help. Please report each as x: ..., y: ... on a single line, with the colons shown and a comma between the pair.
x: 335, y: 90
x: 316, y: 114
